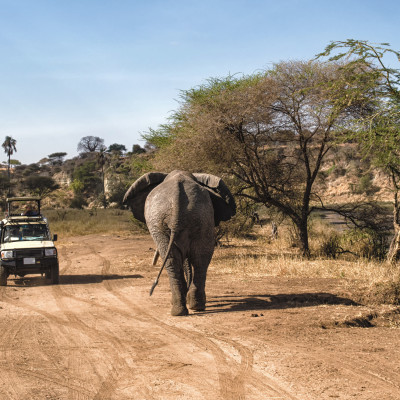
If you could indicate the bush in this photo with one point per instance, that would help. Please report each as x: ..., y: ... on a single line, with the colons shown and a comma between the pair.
x: 78, y: 202
x: 330, y: 246
x: 365, y: 243
x: 366, y: 186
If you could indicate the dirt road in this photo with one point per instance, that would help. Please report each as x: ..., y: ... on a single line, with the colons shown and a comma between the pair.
x: 98, y: 335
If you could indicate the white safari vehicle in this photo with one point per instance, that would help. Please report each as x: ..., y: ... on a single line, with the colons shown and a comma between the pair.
x: 27, y: 246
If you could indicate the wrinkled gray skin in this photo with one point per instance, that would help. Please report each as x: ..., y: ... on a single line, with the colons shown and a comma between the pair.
x: 181, y: 212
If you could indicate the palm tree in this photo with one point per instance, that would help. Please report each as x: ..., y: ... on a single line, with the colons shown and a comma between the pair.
x: 102, y: 157
x: 9, y: 146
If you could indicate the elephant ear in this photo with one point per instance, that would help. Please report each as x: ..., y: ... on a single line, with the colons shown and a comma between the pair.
x: 221, y: 197
x: 136, y: 195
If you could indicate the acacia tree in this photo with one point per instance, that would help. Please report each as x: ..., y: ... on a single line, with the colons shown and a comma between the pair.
x: 9, y: 146
x: 379, y: 131
x: 57, y: 158
x: 271, y: 131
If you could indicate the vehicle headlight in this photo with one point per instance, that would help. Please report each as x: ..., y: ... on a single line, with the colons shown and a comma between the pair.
x: 50, y: 252
x: 7, y: 254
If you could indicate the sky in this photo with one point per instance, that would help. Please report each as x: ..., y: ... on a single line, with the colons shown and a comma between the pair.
x: 115, y: 68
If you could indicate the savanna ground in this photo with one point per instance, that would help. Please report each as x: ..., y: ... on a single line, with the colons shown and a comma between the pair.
x: 275, y: 327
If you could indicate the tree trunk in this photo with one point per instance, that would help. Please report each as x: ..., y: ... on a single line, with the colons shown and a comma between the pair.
x: 394, y: 248
x: 303, y: 235
x: 9, y: 173
x: 393, y: 253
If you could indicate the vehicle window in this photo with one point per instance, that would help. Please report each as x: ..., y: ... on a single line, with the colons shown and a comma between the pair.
x: 26, y: 232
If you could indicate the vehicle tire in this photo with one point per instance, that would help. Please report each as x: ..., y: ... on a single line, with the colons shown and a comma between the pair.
x: 3, y: 276
x: 55, y: 274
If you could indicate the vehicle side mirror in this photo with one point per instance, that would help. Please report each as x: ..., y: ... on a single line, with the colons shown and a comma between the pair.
x: 55, y: 237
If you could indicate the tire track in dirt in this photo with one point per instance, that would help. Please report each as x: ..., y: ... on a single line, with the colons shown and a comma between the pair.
x: 119, y: 365
x: 109, y: 384
x: 349, y: 367
x: 231, y: 384
x: 8, y: 374
x: 76, y: 389
x: 361, y: 372
x: 57, y: 377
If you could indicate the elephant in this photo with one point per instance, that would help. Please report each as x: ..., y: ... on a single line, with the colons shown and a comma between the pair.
x: 181, y: 210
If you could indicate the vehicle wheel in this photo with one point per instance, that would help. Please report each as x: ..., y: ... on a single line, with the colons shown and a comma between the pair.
x: 55, y: 274
x: 3, y: 276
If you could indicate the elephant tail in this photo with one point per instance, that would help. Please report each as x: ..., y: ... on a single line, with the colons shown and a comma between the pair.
x: 187, y: 268
x: 171, y: 241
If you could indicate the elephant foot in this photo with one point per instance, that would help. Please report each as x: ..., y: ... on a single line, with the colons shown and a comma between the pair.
x: 178, y: 311
x: 196, y: 304
x: 197, y: 307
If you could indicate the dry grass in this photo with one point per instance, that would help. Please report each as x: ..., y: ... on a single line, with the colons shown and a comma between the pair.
x: 370, y: 281
x: 69, y: 222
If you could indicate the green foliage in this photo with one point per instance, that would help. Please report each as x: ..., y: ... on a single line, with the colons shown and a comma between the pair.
x: 331, y: 245
x: 366, y: 186
x: 116, y: 148
x: 86, y: 179
x: 77, y: 186
x: 137, y: 149
x: 378, y: 132
x: 139, y: 166
x: 57, y: 158
x: 40, y: 185
x: 159, y: 138
x: 366, y: 243
x: 78, y: 202
x: 9, y: 145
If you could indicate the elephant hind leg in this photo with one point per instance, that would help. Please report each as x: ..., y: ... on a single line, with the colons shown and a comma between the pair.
x: 178, y: 285
x: 196, y: 297
x: 179, y: 291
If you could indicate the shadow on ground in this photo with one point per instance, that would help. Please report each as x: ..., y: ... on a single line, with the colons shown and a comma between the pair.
x: 71, y: 279
x: 220, y: 304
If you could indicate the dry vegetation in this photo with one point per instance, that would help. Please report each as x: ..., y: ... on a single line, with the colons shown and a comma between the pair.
x: 366, y: 280
x: 70, y: 222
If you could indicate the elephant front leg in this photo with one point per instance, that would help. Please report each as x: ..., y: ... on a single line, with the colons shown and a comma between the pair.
x: 178, y: 290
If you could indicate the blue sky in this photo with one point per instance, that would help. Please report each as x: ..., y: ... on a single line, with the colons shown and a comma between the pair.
x: 114, y: 68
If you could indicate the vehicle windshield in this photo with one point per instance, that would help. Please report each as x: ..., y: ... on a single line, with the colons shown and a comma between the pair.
x: 13, y: 233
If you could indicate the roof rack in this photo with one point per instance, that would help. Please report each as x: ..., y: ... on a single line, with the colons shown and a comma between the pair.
x: 11, y: 200
x: 25, y: 218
